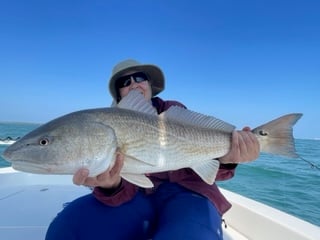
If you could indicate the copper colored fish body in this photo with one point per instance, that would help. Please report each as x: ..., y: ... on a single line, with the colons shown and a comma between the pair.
x: 177, y: 138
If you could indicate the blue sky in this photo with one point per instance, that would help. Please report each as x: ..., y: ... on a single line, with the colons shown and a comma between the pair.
x: 245, y: 62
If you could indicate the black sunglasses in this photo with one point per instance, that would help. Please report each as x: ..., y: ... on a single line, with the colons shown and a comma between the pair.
x: 125, y: 81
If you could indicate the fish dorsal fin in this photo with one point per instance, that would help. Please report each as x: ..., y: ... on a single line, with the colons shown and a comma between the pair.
x: 135, y: 101
x: 192, y: 118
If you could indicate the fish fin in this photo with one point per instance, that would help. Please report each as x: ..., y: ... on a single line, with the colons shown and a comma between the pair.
x: 132, y: 161
x: 208, y: 170
x: 138, y: 179
x: 276, y: 136
x: 192, y: 118
x: 113, y: 104
x: 104, y: 140
x: 135, y: 101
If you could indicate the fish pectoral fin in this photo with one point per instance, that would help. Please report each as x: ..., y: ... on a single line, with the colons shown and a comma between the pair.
x: 138, y: 179
x: 132, y: 161
x: 207, y: 171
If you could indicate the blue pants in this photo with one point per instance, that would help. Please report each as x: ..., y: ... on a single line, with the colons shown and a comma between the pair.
x: 172, y: 212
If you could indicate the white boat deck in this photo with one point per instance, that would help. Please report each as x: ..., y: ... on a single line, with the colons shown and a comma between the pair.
x: 257, y: 221
x: 29, y: 202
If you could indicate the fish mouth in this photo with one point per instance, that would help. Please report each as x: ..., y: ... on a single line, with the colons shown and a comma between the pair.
x: 6, y: 155
x: 31, y: 167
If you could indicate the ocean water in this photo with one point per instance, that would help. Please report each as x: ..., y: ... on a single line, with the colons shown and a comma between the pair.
x: 290, y: 185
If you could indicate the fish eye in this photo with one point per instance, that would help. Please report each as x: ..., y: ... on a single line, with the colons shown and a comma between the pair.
x: 263, y: 133
x: 44, y: 141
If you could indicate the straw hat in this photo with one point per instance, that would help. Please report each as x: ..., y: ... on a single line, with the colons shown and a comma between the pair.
x: 154, y: 74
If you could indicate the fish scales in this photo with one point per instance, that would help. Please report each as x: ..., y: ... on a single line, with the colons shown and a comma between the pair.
x: 142, y: 136
x: 177, y: 138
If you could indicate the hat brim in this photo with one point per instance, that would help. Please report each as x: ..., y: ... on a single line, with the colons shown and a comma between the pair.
x: 154, y: 74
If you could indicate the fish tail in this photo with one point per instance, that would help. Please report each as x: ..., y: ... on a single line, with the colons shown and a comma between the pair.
x: 276, y: 136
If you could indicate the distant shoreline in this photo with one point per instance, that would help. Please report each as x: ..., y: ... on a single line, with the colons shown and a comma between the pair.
x: 17, y: 122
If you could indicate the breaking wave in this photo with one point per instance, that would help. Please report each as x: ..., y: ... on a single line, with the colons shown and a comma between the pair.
x: 8, y: 140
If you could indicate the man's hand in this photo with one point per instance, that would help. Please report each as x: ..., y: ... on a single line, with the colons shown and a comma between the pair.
x: 244, y: 147
x: 109, y: 179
